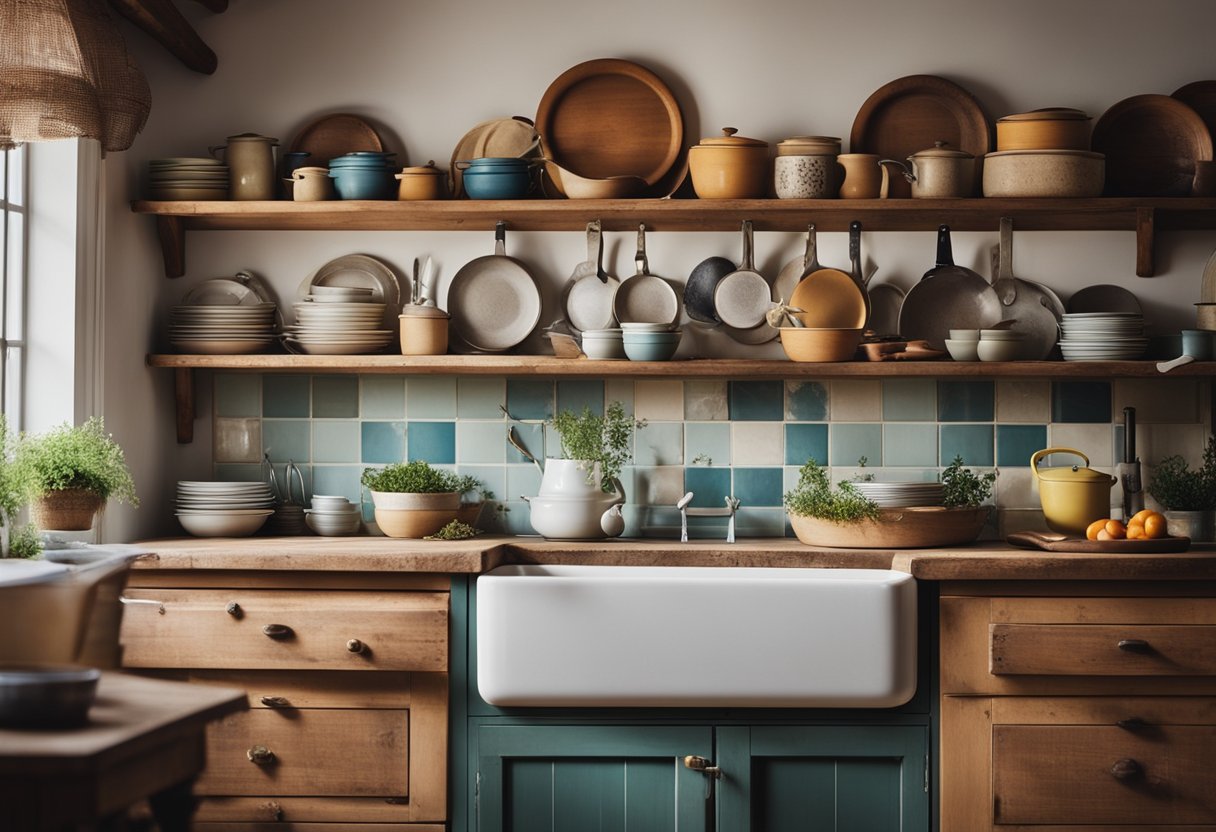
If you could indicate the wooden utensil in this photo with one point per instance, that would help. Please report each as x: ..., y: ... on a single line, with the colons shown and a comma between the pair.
x: 1051, y: 542
x: 1151, y: 143
x: 329, y: 137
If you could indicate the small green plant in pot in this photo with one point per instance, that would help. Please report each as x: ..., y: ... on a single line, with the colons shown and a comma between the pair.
x: 412, y: 499
x: 1187, y: 495
x: 473, y: 498
x: 68, y: 474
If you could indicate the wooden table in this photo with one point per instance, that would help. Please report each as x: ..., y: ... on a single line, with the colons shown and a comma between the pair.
x: 145, y: 740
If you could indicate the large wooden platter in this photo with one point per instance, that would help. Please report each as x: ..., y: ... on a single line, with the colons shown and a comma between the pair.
x: 1062, y: 543
x: 911, y: 113
x: 1200, y: 96
x: 328, y: 137
x: 1151, y: 143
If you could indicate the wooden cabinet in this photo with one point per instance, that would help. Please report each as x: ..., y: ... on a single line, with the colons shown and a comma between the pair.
x: 348, y: 693
x: 1078, y: 707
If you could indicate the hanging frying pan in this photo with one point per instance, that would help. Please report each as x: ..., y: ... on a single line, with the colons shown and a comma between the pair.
x: 1036, y: 308
x: 590, y: 291
x: 793, y: 272
x: 947, y: 297
x: 493, y: 300
x: 855, y: 263
x: 828, y: 297
x: 645, y: 297
x: 743, y: 296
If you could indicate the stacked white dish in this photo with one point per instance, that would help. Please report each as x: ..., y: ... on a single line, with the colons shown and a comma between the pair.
x: 187, y: 178
x: 223, y: 316
x: 339, y: 320
x: 1102, y: 336
x: 334, y: 516
x: 223, y: 509
x: 901, y: 494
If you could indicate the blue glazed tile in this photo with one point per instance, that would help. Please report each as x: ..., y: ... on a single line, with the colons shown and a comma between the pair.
x: 285, y: 396
x: 383, y: 442
x: 431, y: 397
x: 972, y: 442
x: 907, y: 445
x: 966, y: 401
x: 480, y: 442
x: 236, y: 472
x: 532, y: 437
x: 806, y: 442
x: 1015, y: 443
x: 382, y: 397
x: 493, y: 478
x: 620, y: 390
x: 335, y: 441
x: 238, y: 394
x: 909, y: 400
x: 711, y: 486
x: 759, y: 522
x: 286, y: 439
x: 529, y: 399
x: 522, y: 480
x: 806, y: 401
x: 757, y: 401
x: 706, y: 444
x: 516, y: 519
x: 434, y: 442
x: 758, y: 486
x: 659, y: 443
x: 337, y: 481
x: 335, y: 397
x: 576, y: 394
x: 848, y: 443
x: 1080, y: 401
x: 480, y: 398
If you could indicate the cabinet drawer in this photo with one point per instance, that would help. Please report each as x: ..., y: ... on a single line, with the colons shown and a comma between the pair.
x: 1102, y: 650
x: 286, y: 630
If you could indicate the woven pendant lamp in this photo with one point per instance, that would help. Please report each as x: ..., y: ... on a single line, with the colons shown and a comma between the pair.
x: 65, y: 73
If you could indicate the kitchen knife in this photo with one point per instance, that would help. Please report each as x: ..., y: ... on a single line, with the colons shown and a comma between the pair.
x: 1129, y: 468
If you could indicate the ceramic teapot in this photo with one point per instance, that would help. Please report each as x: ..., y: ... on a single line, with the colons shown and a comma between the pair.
x: 1072, y: 496
x: 571, y: 505
x: 936, y: 173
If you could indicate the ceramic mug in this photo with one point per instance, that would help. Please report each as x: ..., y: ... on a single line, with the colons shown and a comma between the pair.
x: 862, y: 175
x: 806, y: 177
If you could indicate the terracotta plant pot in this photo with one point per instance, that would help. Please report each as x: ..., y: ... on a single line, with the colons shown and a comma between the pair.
x: 895, y: 528
x: 414, y: 515
x: 69, y: 510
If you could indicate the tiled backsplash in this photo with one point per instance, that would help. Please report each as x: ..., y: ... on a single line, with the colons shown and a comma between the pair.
x: 715, y: 438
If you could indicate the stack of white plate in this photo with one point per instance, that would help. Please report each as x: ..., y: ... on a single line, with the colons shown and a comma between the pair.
x: 902, y: 494
x: 339, y: 320
x: 334, y: 516
x: 222, y: 316
x: 223, y: 509
x: 1102, y: 336
x: 187, y: 178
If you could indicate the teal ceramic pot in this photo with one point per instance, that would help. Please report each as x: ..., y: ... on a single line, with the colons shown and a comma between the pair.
x: 362, y: 183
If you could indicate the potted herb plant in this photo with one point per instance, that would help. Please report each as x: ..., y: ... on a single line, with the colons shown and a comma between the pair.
x: 1187, y: 495
x: 473, y: 498
x: 68, y: 474
x: 412, y: 499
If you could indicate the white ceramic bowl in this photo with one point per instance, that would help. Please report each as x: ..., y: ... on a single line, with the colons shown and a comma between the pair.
x: 603, y: 348
x: 222, y: 524
x: 334, y: 528
x: 1001, y: 335
x: 999, y: 350
x: 963, y: 350
x: 965, y: 334
x: 326, y: 502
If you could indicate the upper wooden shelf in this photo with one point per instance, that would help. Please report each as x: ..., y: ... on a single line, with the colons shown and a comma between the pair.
x: 1143, y: 216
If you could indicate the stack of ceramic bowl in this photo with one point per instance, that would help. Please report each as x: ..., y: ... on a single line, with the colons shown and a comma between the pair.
x: 184, y: 178
x: 339, y: 320
x: 216, y: 319
x: 650, y: 342
x: 364, y: 174
x: 1001, y: 345
x: 964, y: 344
x: 603, y: 343
x: 1102, y: 336
x: 223, y: 509
x: 901, y: 494
x: 334, y: 516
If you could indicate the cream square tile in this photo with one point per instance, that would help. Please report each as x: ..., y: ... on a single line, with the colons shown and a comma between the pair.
x: 856, y: 401
x: 1170, y: 400
x: 659, y: 486
x: 1155, y: 442
x: 237, y: 440
x: 1015, y: 488
x: 1023, y: 401
x: 1092, y: 439
x: 659, y: 400
x: 705, y: 401
x: 757, y: 443
x: 619, y: 390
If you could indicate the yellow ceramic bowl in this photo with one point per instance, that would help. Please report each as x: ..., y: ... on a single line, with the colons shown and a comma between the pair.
x: 814, y: 344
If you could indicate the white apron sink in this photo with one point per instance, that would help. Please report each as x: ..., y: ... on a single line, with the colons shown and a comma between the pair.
x: 616, y: 636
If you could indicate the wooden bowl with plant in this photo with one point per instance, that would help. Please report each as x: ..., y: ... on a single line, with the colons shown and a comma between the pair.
x: 412, y: 499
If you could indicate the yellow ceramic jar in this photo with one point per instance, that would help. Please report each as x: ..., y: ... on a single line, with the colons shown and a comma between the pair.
x: 729, y: 167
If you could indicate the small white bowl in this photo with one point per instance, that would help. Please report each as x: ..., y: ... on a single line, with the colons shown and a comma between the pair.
x: 963, y: 350
x: 964, y: 334
x: 1001, y: 335
x: 1000, y: 350
x: 603, y: 348
x: 220, y: 524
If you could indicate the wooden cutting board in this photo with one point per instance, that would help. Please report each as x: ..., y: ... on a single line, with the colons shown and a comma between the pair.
x: 1062, y: 543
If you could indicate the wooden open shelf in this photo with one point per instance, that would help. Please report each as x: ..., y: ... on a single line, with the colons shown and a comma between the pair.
x: 1144, y: 216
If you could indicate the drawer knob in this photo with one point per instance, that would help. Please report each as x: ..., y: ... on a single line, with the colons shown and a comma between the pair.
x: 275, y: 702
x: 234, y: 609
x: 1126, y: 769
x: 1134, y: 645
x: 1132, y: 723
x: 260, y: 755
x: 355, y: 646
x: 278, y: 632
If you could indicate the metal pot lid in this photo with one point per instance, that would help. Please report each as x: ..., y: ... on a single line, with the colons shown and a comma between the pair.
x: 729, y: 139
x: 1048, y: 114
x: 941, y: 150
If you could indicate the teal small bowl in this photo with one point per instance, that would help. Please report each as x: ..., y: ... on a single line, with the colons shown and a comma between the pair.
x: 651, y: 348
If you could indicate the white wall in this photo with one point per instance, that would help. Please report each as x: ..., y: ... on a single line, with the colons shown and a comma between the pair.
x: 429, y: 70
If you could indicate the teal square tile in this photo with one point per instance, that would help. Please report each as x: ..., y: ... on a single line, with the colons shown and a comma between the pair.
x: 1080, y: 401
x: 431, y: 397
x: 336, y: 441
x: 905, y: 444
x: 532, y: 438
x: 337, y: 481
x: 382, y: 397
x: 522, y: 481
x: 576, y: 394
x: 434, y: 442
x: 966, y: 401
x: 1016, y: 443
x: 335, y: 397
x: 909, y: 400
x: 238, y: 394
x: 286, y: 396
x: 758, y: 486
x: 480, y: 398
x: 806, y: 442
x: 710, y: 486
x: 707, y: 444
x: 806, y: 401
x: 493, y: 479
x: 286, y: 439
x: 757, y: 401
x: 480, y: 442
x: 238, y: 472
x: 516, y: 519
x: 972, y: 442
x: 759, y: 522
x: 659, y: 443
x: 848, y: 443
x: 383, y: 442
x: 529, y: 399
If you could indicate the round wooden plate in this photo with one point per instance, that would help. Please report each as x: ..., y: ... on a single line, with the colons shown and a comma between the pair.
x: 328, y: 137
x: 1200, y: 96
x: 1151, y: 143
x: 499, y: 137
x: 911, y: 113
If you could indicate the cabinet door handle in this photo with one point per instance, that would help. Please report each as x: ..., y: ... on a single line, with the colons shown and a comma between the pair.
x: 234, y: 609
x: 1132, y: 723
x: 702, y: 765
x: 260, y: 755
x: 1126, y: 770
x: 142, y: 602
x: 275, y: 702
x: 356, y: 646
x: 1134, y: 645
x: 278, y: 632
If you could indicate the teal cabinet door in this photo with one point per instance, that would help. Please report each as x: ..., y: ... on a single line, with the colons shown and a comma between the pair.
x: 586, y: 778
x: 826, y: 778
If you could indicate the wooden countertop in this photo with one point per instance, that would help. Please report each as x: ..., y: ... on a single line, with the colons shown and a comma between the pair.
x: 978, y: 562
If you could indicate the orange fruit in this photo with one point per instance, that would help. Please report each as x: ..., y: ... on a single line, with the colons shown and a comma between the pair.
x: 1103, y: 534
x: 1116, y: 529
x: 1140, y: 516
x: 1155, y: 526
x: 1135, y: 531
x: 1091, y: 533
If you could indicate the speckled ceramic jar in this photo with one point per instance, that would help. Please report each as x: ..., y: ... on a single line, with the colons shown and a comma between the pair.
x: 806, y: 177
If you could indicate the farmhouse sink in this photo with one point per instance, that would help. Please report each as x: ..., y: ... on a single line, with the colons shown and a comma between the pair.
x: 616, y: 636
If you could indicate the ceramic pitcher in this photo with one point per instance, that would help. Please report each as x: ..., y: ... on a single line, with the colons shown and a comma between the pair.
x: 250, y: 160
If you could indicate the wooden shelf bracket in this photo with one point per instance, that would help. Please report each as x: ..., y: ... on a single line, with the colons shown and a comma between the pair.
x: 183, y: 400
x: 1146, y: 224
x: 171, y: 231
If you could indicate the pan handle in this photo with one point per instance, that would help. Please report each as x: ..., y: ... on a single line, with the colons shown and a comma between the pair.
x: 643, y: 264
x: 945, y: 256
x: 747, y: 265
x: 1006, y: 287
x: 809, y: 257
x: 500, y: 238
x: 595, y: 249
x: 855, y: 252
